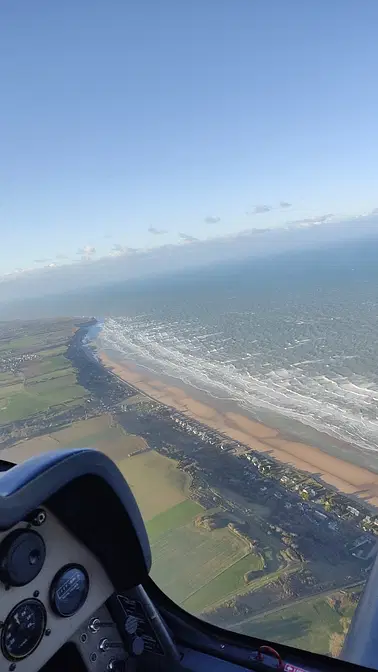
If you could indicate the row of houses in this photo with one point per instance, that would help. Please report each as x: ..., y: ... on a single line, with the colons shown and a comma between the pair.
x: 309, y: 490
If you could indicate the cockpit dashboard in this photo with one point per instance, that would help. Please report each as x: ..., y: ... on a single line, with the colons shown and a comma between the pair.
x: 51, y: 584
x: 75, y: 591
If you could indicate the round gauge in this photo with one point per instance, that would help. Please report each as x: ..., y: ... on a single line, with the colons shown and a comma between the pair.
x: 69, y: 590
x: 22, y: 554
x: 23, y: 629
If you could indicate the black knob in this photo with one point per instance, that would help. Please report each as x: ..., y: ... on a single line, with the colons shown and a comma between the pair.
x: 137, y: 646
x: 22, y: 554
x: 131, y: 625
x: 116, y: 665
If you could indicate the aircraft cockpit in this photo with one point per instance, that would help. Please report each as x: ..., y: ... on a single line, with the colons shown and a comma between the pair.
x: 75, y: 590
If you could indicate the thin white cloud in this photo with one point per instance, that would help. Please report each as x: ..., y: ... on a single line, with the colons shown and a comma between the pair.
x: 119, y: 250
x: 285, y: 204
x: 86, y: 252
x: 252, y: 232
x: 211, y: 219
x: 157, y: 232
x: 95, y: 271
x: 260, y: 209
x: 187, y: 238
x: 310, y: 221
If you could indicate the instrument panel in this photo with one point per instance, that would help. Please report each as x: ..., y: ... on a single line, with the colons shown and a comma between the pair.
x: 50, y: 583
x: 58, y: 608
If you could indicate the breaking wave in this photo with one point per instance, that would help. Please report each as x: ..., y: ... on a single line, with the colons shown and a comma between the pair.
x: 299, y: 378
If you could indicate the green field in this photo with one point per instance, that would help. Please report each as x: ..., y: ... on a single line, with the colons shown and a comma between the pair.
x: 47, y: 384
x: 40, y: 383
x: 22, y: 343
x: 20, y: 401
x: 50, y: 376
x: 178, y: 515
x: 20, y: 406
x: 157, y: 483
x: 226, y: 583
x: 194, y: 566
x: 53, y: 363
x: 100, y: 432
x: 66, y: 394
x: 108, y: 435
x: 12, y: 388
x: 313, y: 624
x: 60, y: 350
x: 6, y: 377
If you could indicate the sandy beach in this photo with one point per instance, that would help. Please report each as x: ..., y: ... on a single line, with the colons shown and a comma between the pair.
x: 338, y: 473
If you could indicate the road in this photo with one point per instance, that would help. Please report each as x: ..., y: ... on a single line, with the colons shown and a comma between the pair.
x: 294, y: 603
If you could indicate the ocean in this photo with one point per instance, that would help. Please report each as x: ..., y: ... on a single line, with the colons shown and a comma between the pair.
x: 291, y: 340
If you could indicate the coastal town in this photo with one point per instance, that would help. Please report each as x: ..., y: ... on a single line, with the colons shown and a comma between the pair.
x: 313, y: 538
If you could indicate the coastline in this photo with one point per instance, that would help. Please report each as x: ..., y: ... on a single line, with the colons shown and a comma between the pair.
x: 346, y: 477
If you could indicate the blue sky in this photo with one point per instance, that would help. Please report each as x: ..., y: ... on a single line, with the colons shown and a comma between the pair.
x: 117, y: 117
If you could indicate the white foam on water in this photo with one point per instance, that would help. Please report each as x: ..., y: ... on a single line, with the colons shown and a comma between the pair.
x: 342, y: 404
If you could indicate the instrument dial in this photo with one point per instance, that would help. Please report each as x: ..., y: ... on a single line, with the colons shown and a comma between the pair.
x: 23, y: 629
x: 69, y: 590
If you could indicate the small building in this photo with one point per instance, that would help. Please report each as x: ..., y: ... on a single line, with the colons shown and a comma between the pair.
x: 353, y: 511
x: 320, y: 515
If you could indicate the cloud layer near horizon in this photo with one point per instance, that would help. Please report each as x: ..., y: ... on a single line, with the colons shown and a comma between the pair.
x: 124, y: 263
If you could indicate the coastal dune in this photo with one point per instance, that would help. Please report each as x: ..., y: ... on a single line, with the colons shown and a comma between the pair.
x: 338, y: 473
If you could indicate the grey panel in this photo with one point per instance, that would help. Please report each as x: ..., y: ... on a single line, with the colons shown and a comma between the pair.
x: 61, y: 549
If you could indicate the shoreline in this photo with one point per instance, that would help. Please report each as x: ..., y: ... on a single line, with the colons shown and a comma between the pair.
x: 291, y: 429
x: 342, y: 475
